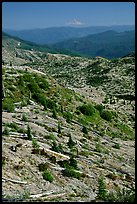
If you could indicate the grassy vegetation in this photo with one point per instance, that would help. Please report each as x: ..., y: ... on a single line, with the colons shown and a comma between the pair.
x: 87, y: 109
x: 70, y: 172
x: 8, y: 105
x: 6, y: 131
x: 117, y: 146
x: 3, y: 162
x: 61, y: 101
x: 106, y: 115
x: 47, y: 176
x: 102, y: 192
x: 35, y: 144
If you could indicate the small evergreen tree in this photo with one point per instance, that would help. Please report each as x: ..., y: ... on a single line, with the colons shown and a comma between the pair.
x: 59, y: 128
x: 102, y: 193
x: 71, y: 143
x: 55, y: 147
x: 54, y: 114
x: 84, y: 130
x: 73, y: 162
x: 29, y: 135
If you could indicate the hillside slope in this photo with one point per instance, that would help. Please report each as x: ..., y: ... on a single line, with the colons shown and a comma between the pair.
x: 68, y: 127
x: 44, y: 123
x: 109, y: 44
x: 19, y: 51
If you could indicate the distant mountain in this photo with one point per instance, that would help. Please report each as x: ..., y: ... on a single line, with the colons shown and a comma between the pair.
x: 58, y: 34
x: 109, y: 44
x: 15, y: 42
x: 20, y: 51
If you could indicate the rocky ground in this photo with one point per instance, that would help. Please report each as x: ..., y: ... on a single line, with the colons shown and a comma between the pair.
x: 117, y: 165
x: 95, y: 154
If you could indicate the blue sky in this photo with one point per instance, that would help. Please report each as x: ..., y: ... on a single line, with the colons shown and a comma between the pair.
x: 29, y: 15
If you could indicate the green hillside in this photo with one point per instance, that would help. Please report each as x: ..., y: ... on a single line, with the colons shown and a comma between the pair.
x: 109, y: 44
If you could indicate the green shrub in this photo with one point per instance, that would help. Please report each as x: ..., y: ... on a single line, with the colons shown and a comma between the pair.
x: 51, y: 104
x: 43, y: 84
x: 87, y: 109
x: 77, y: 112
x: 102, y: 192
x: 54, y: 113
x: 71, y: 143
x: 35, y: 144
x: 68, y: 116
x: 54, y: 147
x: 8, y: 105
x: 43, y: 166
x: 24, y: 117
x: 98, y: 148
x: 3, y: 162
x: 84, y: 130
x: 50, y: 136
x: 106, y: 100
x: 106, y: 115
x: 47, y: 176
x: 117, y: 146
x: 13, y: 126
x: 29, y: 135
x: 99, y: 107
x: 70, y: 172
x: 21, y: 82
x: 3, y: 71
x: 60, y: 148
x: 73, y: 162
x: 84, y: 153
x: 64, y: 163
x: 6, y: 131
x: 33, y: 86
x: 40, y: 98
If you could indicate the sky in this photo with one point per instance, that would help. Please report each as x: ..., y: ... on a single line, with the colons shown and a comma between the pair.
x: 31, y: 15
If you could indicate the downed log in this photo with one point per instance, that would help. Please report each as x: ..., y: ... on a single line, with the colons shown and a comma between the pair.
x: 14, y: 181
x: 41, y: 194
x: 56, y: 154
x: 56, y: 195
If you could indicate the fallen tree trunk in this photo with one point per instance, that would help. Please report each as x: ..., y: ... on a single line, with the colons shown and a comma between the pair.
x: 41, y: 194
x: 14, y: 181
x: 56, y: 195
x: 56, y: 154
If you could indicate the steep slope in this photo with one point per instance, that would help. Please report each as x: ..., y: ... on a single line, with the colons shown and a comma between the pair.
x: 61, y: 135
x: 57, y: 34
x: 19, y: 51
x: 109, y: 44
x: 43, y: 124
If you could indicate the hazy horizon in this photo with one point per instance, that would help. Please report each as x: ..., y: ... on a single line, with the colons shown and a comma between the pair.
x: 63, y: 26
x: 40, y: 15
